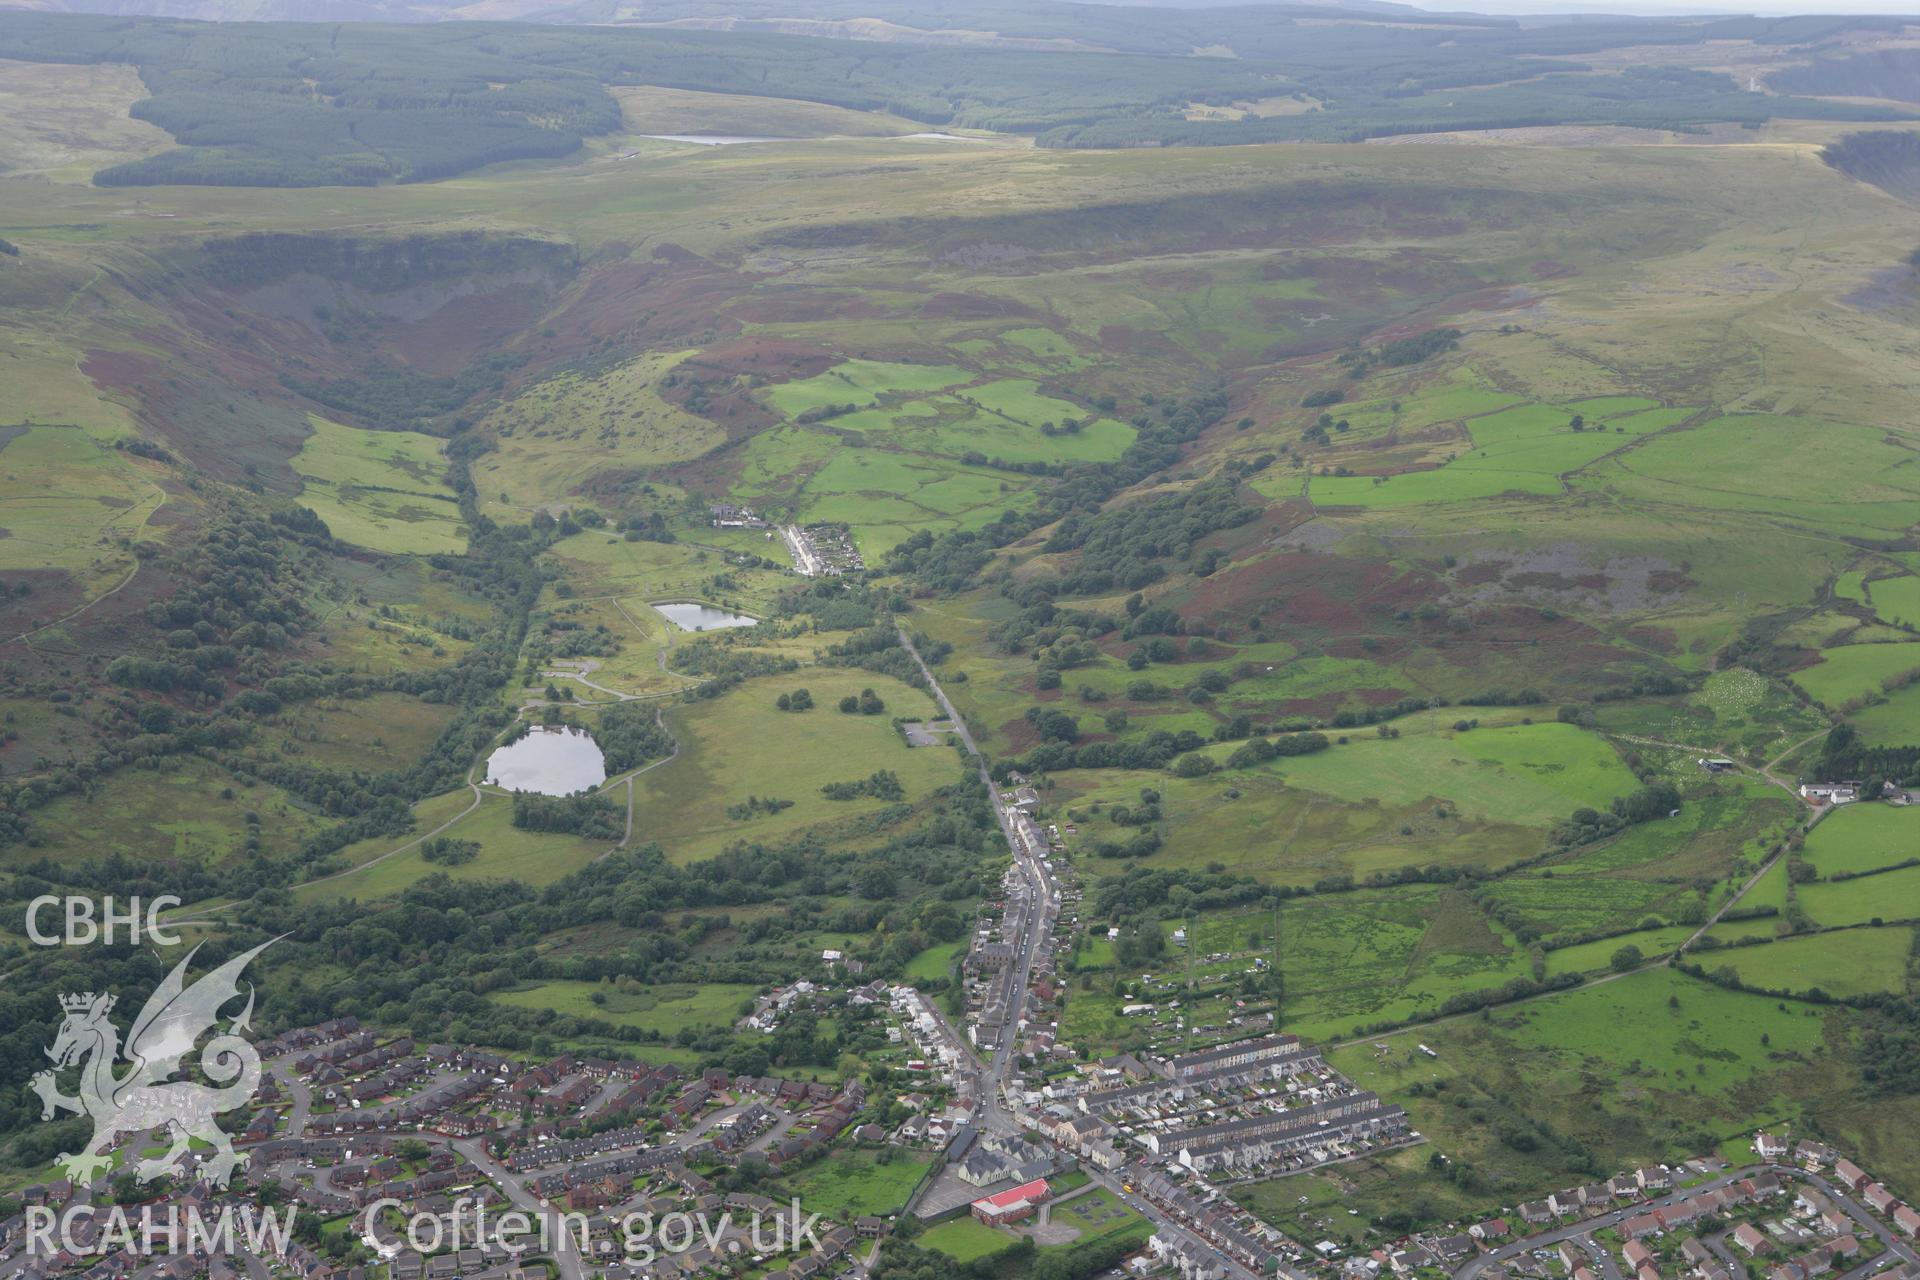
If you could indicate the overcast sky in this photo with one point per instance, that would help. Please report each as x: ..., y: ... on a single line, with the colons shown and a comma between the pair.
x: 1657, y: 7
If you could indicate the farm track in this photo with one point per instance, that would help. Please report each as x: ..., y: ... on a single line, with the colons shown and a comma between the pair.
x: 478, y: 796
x: 628, y: 777
x: 113, y: 590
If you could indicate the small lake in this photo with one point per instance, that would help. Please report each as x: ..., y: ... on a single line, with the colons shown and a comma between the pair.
x: 551, y: 761
x: 702, y: 617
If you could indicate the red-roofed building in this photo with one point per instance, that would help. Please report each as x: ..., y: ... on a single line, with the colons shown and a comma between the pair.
x: 1013, y: 1204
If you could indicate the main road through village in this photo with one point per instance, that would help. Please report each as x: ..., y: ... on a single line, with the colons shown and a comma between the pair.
x: 1033, y: 933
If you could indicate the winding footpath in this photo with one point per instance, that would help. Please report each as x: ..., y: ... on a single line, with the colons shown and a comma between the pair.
x: 132, y: 573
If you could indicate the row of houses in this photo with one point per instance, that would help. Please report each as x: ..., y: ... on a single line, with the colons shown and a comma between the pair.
x: 1687, y: 1210
x: 1241, y: 1145
x: 332, y: 1055
x: 1598, y: 1197
x: 1219, y: 1222
x: 576, y: 1184
x: 1191, y: 1261
x: 302, y: 1037
x: 567, y: 1151
x: 1280, y: 1063
x: 1877, y: 1197
x: 1242, y: 1058
x: 392, y: 1079
x: 409, y: 1265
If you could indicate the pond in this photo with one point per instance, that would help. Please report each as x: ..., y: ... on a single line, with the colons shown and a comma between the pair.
x: 551, y: 761
x: 701, y: 617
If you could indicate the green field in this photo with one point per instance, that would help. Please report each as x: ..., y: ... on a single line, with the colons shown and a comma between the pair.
x: 964, y: 1239
x: 740, y: 745
x: 636, y: 572
x: 1863, y: 837
x: 1515, y: 450
x: 855, y: 1183
x: 69, y: 501
x: 186, y: 809
x: 1843, y: 963
x: 1558, y: 904
x: 914, y: 456
x: 1885, y: 895
x: 1890, y: 722
x: 506, y: 851
x: 379, y: 489
x: 1255, y: 823
x: 1897, y: 599
x: 1597, y: 957
x: 1856, y: 670
x: 1719, y: 829
x: 1862, y: 487
x: 863, y: 382
x: 557, y: 433
x: 660, y: 1008
x: 1462, y: 393
x: 934, y: 963
x: 1649, y: 1066
x: 1526, y: 774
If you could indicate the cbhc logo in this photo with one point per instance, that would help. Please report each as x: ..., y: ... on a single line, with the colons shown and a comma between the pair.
x: 82, y: 927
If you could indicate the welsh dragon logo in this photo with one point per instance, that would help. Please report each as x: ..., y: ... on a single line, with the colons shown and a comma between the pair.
x: 144, y: 1096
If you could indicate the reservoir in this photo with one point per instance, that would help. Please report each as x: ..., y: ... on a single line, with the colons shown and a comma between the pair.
x: 551, y: 761
x: 701, y: 617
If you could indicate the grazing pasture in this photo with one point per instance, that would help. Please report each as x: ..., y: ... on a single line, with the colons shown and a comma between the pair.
x: 1842, y: 962
x: 1897, y: 599
x: 1892, y: 721
x: 739, y: 745
x: 660, y: 1008
x: 1855, y: 484
x: 1863, y: 837
x: 559, y: 432
x: 186, y: 809
x: 382, y: 490
x: 863, y: 382
x: 1597, y: 956
x: 1654, y: 1066
x: 1529, y: 774
x: 1856, y: 670
x: 1881, y: 896
x: 69, y: 502
x: 1523, y: 449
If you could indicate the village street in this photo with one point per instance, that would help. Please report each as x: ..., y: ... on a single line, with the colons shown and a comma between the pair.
x: 1582, y: 1231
